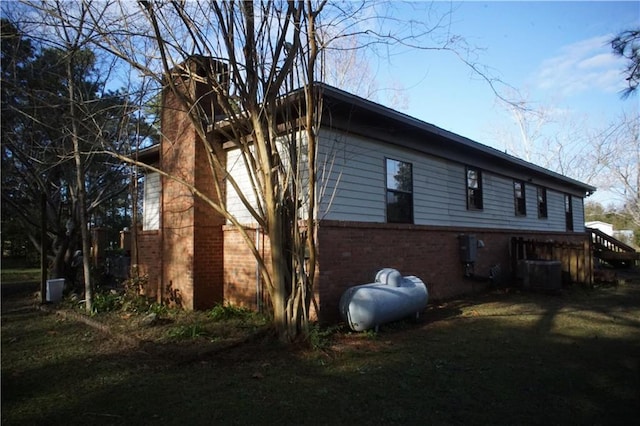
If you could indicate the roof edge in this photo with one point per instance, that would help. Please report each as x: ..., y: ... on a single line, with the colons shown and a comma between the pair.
x: 406, y: 119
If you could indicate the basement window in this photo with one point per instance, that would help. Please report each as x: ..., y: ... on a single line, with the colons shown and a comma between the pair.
x: 474, y: 188
x: 542, y: 202
x: 520, y: 201
x: 399, y: 191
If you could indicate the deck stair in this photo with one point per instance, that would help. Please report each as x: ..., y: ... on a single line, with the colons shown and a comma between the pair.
x: 613, y: 251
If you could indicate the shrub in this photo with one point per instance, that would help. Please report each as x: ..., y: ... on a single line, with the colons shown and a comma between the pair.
x: 184, y: 332
x: 319, y: 338
x: 107, y: 301
x: 229, y: 312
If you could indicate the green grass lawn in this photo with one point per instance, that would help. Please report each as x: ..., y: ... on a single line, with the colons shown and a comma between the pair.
x: 499, y: 358
x: 19, y: 275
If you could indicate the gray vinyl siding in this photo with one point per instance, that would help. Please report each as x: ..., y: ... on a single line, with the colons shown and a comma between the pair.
x: 351, y: 187
x: 151, y: 202
x: 555, y: 210
x: 348, y: 164
x: 439, y: 190
x: 352, y: 175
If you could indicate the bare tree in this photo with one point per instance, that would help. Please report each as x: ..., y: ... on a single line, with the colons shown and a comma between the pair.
x: 606, y: 157
x: 616, y: 151
x: 257, y: 64
x: 73, y: 40
x: 549, y: 137
x: 347, y: 66
x: 269, y: 49
x: 63, y: 117
x: 263, y: 50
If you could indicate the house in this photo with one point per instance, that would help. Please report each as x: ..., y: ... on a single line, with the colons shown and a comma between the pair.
x: 604, y: 227
x: 400, y: 193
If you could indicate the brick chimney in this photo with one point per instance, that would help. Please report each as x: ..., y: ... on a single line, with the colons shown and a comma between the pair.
x: 192, y: 239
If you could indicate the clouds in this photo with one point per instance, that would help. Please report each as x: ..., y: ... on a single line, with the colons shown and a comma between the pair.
x: 584, y: 66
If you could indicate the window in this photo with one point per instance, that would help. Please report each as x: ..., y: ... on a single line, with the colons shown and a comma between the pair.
x: 151, y: 202
x: 399, y: 192
x: 568, y: 212
x: 542, y: 202
x: 519, y: 198
x: 474, y: 189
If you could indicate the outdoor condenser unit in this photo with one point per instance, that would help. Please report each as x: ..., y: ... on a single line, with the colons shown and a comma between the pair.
x: 540, y: 274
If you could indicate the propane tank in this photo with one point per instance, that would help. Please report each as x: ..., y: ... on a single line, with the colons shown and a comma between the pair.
x: 391, y: 298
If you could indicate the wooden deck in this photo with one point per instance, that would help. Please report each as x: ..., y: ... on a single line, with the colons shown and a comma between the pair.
x: 612, y: 251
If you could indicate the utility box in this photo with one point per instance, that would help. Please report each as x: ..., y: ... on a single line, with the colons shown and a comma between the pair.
x: 54, y: 290
x: 468, y: 248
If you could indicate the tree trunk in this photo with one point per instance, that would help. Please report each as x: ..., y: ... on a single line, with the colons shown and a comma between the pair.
x: 279, y: 293
x: 60, y: 259
x: 82, y: 204
x: 43, y: 244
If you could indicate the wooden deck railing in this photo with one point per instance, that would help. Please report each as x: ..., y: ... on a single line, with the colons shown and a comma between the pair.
x: 612, y: 250
x: 600, y: 239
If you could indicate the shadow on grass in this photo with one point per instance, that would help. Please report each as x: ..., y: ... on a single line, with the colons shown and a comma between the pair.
x: 497, y: 359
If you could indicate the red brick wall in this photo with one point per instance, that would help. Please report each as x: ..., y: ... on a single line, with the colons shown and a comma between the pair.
x: 149, y: 260
x: 208, y: 262
x: 352, y: 253
x: 208, y: 238
x: 240, y: 280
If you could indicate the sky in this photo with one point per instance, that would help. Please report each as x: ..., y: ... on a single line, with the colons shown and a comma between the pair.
x: 555, y: 54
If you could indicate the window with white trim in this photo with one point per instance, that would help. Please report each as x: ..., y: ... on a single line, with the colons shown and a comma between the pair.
x: 542, y: 202
x: 568, y: 212
x: 474, y: 188
x: 519, y: 198
x: 399, y: 185
x: 151, y: 202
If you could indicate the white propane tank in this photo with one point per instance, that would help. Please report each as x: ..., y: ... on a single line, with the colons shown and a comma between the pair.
x: 390, y: 298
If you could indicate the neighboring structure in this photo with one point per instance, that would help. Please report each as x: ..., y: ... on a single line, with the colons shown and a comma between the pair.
x: 604, y: 227
x: 399, y: 193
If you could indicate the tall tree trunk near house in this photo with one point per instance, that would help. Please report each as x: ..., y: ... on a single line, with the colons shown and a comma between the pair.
x: 278, y: 290
x: 81, y: 189
x: 43, y: 242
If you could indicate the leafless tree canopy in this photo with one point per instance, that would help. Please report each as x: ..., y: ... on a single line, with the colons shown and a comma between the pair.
x: 606, y: 157
x: 258, y: 62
